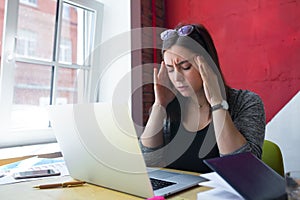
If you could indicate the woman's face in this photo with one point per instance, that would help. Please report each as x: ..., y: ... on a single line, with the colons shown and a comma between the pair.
x: 183, y: 71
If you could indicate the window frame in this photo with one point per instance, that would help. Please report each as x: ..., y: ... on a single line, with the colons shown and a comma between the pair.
x: 27, y: 2
x: 36, y: 136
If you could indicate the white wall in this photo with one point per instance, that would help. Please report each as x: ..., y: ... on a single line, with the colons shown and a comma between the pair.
x: 115, y: 50
x: 284, y: 130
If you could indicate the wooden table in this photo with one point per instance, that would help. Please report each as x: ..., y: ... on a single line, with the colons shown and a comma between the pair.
x: 25, y: 190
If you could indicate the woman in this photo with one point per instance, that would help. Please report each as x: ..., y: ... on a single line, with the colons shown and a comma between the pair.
x: 195, y: 115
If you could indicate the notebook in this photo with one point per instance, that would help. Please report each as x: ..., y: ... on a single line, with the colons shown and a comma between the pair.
x: 100, y: 146
x: 249, y: 176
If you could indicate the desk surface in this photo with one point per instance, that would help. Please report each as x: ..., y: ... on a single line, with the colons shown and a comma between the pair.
x: 25, y: 190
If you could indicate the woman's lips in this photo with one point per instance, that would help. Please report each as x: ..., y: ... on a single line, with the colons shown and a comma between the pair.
x: 181, y: 88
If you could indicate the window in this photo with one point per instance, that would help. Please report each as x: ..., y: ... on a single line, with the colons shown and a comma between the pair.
x: 29, y: 2
x: 65, y: 50
x: 27, y: 43
x: 66, y: 12
x: 46, y: 62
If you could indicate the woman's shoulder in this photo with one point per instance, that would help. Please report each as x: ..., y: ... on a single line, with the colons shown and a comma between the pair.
x: 242, y: 95
x: 238, y: 98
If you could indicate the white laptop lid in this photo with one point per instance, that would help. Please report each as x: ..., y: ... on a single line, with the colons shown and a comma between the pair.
x: 102, y: 133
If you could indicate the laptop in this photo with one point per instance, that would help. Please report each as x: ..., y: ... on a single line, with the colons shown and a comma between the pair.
x: 100, y: 146
x: 249, y: 176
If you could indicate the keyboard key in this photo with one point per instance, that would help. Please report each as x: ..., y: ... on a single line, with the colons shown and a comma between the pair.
x: 158, y: 184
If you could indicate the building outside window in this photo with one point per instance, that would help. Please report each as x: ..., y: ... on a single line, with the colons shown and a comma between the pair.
x: 65, y: 50
x: 29, y: 2
x: 47, y: 65
x: 26, y: 43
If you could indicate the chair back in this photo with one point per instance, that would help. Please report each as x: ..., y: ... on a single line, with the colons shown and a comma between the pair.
x: 272, y: 156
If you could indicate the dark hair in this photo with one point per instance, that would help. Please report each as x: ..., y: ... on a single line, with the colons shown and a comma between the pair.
x: 200, y: 42
x: 197, y: 41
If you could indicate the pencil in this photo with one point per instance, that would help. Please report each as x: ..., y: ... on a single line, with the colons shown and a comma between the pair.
x: 60, y: 185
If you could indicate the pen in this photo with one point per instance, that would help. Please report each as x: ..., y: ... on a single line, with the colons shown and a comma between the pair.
x: 60, y: 185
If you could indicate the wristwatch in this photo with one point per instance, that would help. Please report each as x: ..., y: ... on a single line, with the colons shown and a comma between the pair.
x: 223, y: 105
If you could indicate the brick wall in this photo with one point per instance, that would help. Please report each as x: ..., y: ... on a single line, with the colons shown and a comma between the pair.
x: 151, y: 15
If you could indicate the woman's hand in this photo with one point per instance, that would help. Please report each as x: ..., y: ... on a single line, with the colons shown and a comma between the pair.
x: 163, y: 88
x: 210, y: 81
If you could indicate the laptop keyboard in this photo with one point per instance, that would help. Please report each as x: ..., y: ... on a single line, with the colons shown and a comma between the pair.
x: 158, y: 184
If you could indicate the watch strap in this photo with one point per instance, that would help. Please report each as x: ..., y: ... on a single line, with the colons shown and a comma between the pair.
x: 216, y: 107
x: 222, y: 105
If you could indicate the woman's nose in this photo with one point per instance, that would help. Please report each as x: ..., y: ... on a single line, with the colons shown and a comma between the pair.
x: 178, y: 75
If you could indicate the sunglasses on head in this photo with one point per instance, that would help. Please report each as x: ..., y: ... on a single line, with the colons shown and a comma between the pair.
x: 182, y: 31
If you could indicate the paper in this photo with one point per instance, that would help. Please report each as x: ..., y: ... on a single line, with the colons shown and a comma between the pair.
x: 218, y: 194
x: 34, y: 163
x: 221, y: 189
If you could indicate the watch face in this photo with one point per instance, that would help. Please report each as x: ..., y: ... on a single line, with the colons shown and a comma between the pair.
x: 225, y: 105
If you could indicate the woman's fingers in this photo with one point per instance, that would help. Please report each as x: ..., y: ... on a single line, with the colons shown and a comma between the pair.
x: 202, y: 67
x: 163, y: 71
x: 162, y: 77
x: 155, y: 74
x: 202, y: 70
x: 210, y: 81
x: 162, y: 86
x: 158, y: 74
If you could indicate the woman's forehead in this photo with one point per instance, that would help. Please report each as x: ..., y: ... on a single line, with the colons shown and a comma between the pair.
x: 178, y: 54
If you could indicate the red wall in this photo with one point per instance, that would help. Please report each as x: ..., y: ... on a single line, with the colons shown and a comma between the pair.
x: 258, y: 43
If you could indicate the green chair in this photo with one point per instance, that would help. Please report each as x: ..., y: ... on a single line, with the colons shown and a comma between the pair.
x: 272, y: 156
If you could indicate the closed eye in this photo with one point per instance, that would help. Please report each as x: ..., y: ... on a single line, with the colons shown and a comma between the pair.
x: 186, y: 66
x: 170, y: 68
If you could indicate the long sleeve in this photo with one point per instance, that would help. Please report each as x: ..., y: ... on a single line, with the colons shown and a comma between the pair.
x: 248, y: 115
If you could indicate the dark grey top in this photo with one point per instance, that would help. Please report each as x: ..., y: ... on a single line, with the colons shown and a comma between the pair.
x: 248, y: 115
x: 247, y: 112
